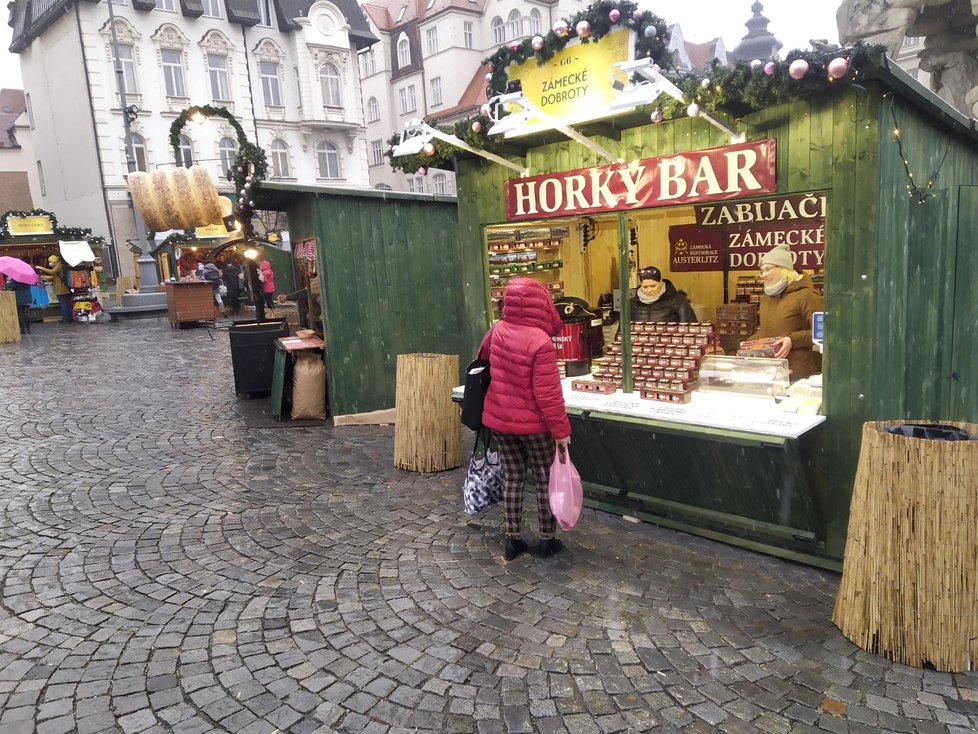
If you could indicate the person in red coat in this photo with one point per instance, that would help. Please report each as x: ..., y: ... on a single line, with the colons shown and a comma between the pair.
x: 267, y: 282
x: 524, y: 406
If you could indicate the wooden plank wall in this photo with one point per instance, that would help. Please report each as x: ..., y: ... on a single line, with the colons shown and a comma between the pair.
x: 391, y: 283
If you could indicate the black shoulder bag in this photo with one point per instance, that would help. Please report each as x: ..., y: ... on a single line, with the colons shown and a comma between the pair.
x: 476, y: 386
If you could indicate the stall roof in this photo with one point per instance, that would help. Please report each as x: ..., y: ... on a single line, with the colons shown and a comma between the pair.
x: 277, y: 196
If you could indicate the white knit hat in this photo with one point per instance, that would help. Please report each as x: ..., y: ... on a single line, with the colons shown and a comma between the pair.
x: 779, y: 256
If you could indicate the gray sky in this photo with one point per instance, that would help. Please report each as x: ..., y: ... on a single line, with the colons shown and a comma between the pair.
x: 792, y: 21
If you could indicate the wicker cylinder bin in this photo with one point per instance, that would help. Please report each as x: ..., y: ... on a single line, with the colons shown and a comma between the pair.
x: 9, y: 326
x: 426, y: 435
x: 910, y: 577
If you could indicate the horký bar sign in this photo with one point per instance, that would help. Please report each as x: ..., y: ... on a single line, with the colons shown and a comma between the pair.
x: 730, y: 172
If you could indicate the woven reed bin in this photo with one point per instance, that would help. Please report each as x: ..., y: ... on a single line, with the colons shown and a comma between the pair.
x: 426, y: 435
x: 9, y: 326
x: 909, y: 588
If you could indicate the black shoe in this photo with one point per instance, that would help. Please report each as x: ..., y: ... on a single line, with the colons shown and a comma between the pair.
x: 513, y: 548
x: 548, y: 547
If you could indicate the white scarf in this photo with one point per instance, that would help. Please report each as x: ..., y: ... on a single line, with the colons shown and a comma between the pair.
x: 649, y: 299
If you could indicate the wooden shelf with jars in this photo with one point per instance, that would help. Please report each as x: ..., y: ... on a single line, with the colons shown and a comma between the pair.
x: 532, y: 252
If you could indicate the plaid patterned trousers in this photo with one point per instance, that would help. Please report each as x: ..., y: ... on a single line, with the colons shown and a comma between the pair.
x: 516, y: 454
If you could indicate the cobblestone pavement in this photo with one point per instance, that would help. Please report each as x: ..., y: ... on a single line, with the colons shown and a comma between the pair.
x: 173, y: 561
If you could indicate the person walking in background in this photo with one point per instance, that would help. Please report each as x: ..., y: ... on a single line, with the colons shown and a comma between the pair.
x: 55, y: 274
x: 268, y: 282
x: 232, y: 283
x: 213, y: 276
x: 524, y: 406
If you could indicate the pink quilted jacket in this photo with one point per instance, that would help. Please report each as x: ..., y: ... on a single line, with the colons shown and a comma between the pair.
x: 268, y: 286
x: 524, y: 396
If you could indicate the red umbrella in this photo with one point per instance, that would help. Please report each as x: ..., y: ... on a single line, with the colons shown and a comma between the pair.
x: 17, y: 269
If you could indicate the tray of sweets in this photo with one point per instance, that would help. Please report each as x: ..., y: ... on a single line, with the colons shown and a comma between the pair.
x: 665, y: 396
x: 758, y: 348
x: 598, y: 386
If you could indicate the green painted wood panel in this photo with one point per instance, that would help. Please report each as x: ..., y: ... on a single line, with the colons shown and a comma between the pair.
x: 963, y: 385
x: 390, y: 282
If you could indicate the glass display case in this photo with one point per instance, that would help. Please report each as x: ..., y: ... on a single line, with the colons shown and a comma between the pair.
x: 762, y: 376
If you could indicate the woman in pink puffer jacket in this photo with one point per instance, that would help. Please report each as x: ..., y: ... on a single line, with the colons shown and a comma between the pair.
x: 268, y: 282
x: 524, y: 406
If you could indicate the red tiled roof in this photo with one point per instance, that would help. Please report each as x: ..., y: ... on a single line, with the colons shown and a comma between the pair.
x: 386, y: 14
x: 12, y: 105
x: 701, y: 54
x: 472, y: 98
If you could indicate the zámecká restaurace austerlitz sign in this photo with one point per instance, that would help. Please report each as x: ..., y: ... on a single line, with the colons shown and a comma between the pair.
x: 730, y: 172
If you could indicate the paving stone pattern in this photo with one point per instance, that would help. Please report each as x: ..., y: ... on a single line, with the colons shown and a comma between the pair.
x: 174, y: 561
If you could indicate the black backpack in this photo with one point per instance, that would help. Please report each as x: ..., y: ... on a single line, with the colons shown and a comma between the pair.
x: 477, y: 380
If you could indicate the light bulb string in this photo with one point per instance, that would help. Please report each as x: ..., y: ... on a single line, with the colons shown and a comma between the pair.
x: 918, y: 192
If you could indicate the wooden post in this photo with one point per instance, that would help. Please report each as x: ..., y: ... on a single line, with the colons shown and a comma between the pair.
x: 426, y: 435
x: 9, y: 326
x: 910, y: 578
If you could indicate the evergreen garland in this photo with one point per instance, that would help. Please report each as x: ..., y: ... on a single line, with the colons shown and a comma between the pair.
x: 250, y: 163
x: 61, y: 233
x: 175, y: 238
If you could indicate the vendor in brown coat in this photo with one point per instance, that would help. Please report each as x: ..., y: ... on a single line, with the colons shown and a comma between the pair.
x: 787, y: 306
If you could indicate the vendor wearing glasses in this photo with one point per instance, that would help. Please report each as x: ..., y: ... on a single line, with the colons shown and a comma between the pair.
x: 787, y: 306
x: 656, y: 299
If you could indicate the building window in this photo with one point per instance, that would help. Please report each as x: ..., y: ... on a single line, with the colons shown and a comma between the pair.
x: 329, y: 81
x: 431, y: 35
x: 227, y: 150
x: 40, y: 179
x: 280, y: 159
x: 535, y: 22
x: 368, y: 62
x: 376, y: 152
x: 373, y: 110
x: 498, y: 31
x: 403, y: 52
x: 166, y: 5
x: 136, y: 149
x: 127, y: 64
x: 185, y: 154
x: 440, y: 181
x: 173, y: 72
x: 468, y: 39
x: 910, y: 41
x: 212, y: 8
x: 408, y: 101
x: 415, y: 185
x: 265, y: 13
x: 329, y: 160
x: 436, y: 90
x: 298, y: 87
x: 30, y: 110
x: 514, y: 24
x: 268, y: 71
x: 217, y: 69
x: 383, y: 187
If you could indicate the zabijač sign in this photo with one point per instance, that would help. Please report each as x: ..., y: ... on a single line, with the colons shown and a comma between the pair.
x: 730, y: 172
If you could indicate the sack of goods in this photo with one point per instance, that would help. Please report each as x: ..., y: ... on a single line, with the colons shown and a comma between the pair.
x: 309, y: 388
x: 175, y: 198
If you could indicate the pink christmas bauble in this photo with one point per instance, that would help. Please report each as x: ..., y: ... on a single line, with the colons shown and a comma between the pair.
x: 838, y: 68
x: 637, y: 14
x: 477, y: 127
x: 537, y: 43
x: 769, y: 68
x: 614, y: 15
x: 798, y: 69
x: 514, y: 46
x: 656, y: 116
x: 561, y: 28
x: 422, y: 171
x: 489, y: 77
x: 428, y: 149
x: 583, y: 29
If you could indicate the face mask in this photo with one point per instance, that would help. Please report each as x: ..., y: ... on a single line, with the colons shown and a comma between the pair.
x: 775, y: 290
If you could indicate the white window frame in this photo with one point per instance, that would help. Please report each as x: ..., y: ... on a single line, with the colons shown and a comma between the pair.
x: 329, y: 154
x: 436, y: 98
x: 331, y: 85
x: 514, y: 24
x: 265, y: 13
x: 536, y: 22
x: 130, y: 83
x: 185, y: 153
x: 270, y: 88
x: 431, y: 38
x: 168, y: 5
x: 220, y: 82
x: 212, y: 8
x: 279, y: 159
x: 498, y: 31
x: 403, y: 52
x: 376, y: 152
x: 439, y: 184
x: 368, y: 62
x: 173, y: 81
x: 227, y: 154
x: 40, y: 179
x: 373, y: 110
x: 138, y: 145
x: 408, y: 99
x: 468, y: 34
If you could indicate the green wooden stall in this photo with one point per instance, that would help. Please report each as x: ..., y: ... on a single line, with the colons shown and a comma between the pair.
x: 390, y: 281
x: 901, y: 312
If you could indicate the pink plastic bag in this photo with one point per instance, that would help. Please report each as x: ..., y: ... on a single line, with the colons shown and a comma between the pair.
x: 566, y: 492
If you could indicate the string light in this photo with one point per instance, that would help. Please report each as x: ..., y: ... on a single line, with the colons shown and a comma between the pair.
x: 921, y: 194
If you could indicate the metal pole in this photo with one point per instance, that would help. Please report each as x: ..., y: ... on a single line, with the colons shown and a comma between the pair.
x: 148, y: 277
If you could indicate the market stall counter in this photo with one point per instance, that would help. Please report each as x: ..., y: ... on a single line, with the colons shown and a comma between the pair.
x: 190, y: 300
x: 726, y: 466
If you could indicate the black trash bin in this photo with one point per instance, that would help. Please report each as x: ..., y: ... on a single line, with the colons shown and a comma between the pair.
x: 253, y: 355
